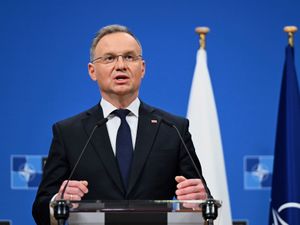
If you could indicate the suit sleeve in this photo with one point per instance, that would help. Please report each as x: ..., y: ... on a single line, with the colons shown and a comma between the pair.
x: 55, y: 172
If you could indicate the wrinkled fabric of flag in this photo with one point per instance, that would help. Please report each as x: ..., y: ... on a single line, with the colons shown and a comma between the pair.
x: 205, y: 130
x: 285, y: 194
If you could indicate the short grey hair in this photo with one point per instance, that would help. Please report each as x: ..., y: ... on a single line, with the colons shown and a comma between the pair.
x: 110, y: 29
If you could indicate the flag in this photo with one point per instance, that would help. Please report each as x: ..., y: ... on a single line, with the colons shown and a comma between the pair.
x: 204, y: 127
x: 285, y: 194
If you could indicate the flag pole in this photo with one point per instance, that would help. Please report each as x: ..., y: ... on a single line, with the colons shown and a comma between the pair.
x: 290, y: 30
x: 202, y: 31
x: 210, y: 206
x: 285, y: 194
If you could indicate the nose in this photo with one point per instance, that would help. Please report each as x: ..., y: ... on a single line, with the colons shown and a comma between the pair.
x: 120, y: 63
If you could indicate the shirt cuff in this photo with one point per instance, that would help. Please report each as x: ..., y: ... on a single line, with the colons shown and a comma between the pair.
x: 53, y: 221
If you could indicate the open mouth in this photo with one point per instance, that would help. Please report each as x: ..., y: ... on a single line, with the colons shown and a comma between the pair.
x: 121, y: 77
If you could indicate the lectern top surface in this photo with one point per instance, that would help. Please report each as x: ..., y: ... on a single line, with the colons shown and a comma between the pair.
x: 135, y: 205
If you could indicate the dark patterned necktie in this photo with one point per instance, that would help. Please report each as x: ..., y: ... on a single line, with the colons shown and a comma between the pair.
x: 124, y: 147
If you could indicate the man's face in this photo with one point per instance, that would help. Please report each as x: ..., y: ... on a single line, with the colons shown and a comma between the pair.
x: 119, y: 78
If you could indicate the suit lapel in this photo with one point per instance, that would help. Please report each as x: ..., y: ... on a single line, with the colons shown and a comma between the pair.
x: 148, y: 125
x: 101, y: 143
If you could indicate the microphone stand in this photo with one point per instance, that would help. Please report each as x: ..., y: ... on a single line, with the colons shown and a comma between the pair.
x: 210, y: 206
x: 62, y: 207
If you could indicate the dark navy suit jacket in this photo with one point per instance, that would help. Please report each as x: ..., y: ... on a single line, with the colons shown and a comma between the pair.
x: 158, y: 157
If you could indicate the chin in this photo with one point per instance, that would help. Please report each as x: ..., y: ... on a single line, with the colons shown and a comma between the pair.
x: 124, y: 91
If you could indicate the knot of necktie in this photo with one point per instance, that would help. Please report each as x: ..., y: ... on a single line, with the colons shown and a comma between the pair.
x: 121, y: 113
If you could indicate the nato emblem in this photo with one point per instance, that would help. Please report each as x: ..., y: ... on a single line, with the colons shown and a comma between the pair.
x: 26, y: 171
x: 258, y: 172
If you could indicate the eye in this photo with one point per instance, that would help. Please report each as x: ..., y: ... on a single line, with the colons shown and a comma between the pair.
x: 129, y: 58
x: 108, y: 59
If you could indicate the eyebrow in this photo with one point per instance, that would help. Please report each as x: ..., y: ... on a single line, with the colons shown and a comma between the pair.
x: 125, y: 53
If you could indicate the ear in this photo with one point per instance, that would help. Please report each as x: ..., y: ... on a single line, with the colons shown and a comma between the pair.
x: 92, y: 71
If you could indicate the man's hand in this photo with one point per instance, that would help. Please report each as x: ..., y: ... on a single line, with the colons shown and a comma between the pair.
x: 190, y: 189
x: 74, y: 191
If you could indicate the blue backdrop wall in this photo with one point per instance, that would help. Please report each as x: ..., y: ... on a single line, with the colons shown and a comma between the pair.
x: 44, y: 51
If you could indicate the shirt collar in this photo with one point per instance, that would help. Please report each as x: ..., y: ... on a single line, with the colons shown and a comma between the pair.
x: 108, y: 108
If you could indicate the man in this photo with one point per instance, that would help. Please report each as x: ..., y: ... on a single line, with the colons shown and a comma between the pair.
x: 156, y: 167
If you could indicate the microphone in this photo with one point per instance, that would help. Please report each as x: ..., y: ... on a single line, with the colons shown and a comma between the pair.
x: 210, y: 206
x: 61, y: 209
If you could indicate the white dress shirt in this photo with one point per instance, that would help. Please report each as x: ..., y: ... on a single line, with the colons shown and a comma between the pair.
x: 114, y: 121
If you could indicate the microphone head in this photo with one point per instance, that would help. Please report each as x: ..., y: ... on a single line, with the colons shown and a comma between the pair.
x: 167, y: 122
x: 101, y: 122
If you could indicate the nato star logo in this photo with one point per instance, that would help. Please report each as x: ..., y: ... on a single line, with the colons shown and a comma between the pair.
x: 258, y: 172
x: 26, y: 171
x: 261, y: 172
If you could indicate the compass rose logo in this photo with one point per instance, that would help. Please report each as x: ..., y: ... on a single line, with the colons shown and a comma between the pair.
x: 26, y: 171
x: 277, y: 220
x: 258, y: 172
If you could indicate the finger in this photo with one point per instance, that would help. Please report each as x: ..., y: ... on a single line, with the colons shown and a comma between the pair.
x: 188, y: 205
x: 193, y: 196
x: 82, y: 185
x: 189, y: 182
x: 69, y: 196
x: 75, y: 205
x: 72, y: 197
x: 74, y: 191
x: 57, y: 197
x: 190, y: 189
x: 75, y: 198
x: 180, y: 179
x: 76, y: 183
x: 62, y: 186
x: 84, y: 182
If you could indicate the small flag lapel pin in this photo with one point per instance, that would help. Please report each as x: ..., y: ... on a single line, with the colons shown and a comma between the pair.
x: 153, y: 121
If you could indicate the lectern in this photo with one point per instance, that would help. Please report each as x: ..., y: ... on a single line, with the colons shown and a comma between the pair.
x: 136, y: 212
